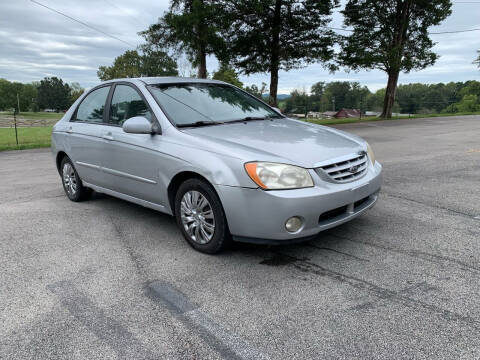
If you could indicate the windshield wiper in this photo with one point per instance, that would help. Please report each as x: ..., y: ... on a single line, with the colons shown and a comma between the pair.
x: 199, y: 123
x: 247, y: 118
x: 252, y: 118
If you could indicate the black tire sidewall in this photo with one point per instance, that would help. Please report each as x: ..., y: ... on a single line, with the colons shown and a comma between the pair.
x: 221, y: 236
x: 81, y: 192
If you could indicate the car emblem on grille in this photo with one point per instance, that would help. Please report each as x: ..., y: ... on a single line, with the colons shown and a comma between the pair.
x: 353, y: 169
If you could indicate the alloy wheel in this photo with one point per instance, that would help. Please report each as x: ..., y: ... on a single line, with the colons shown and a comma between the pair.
x: 69, y: 179
x: 197, y: 217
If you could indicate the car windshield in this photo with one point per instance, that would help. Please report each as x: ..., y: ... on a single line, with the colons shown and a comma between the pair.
x: 208, y: 103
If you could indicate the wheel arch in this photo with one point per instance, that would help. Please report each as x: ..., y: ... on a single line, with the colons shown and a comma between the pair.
x: 177, y: 180
x: 58, y: 159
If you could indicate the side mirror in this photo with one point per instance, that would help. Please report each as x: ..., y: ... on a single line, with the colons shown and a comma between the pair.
x: 277, y: 110
x: 137, y: 125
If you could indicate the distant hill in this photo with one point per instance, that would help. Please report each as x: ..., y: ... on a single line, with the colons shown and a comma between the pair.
x: 279, y: 96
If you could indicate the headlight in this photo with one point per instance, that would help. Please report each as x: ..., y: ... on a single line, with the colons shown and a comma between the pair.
x: 278, y: 176
x: 371, y: 155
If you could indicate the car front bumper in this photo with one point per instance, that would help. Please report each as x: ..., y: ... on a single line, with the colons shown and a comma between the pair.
x: 259, y: 216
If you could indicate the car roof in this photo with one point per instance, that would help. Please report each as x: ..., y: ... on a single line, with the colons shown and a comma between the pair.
x: 165, y: 80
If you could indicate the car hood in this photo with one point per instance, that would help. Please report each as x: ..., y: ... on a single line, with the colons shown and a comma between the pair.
x: 282, y: 140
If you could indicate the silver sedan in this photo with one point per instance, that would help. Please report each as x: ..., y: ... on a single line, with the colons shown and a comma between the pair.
x: 225, y: 164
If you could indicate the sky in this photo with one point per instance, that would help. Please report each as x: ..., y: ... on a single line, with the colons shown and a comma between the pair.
x: 36, y: 42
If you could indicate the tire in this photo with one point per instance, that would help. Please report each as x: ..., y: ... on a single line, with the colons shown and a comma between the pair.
x: 195, y: 217
x: 72, y: 184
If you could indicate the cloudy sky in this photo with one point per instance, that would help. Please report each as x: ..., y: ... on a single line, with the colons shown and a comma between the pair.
x: 36, y: 42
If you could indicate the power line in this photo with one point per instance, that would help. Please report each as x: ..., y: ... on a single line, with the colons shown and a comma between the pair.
x: 84, y: 24
x: 453, y: 32
x: 430, y: 33
x: 123, y: 11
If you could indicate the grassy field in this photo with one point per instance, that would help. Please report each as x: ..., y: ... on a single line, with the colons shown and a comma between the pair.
x: 37, y: 137
x: 35, y: 115
x: 372, y: 118
x: 28, y: 138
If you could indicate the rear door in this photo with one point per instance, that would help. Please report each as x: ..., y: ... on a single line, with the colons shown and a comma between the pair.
x: 132, y: 162
x: 85, y: 136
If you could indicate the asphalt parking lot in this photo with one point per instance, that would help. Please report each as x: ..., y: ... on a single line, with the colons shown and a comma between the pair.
x: 107, y: 279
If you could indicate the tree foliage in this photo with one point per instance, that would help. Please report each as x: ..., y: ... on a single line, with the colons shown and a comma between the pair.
x: 257, y: 91
x: 75, y: 91
x: 36, y: 95
x: 273, y: 35
x: 477, y: 61
x: 227, y: 74
x: 411, y: 98
x: 53, y: 93
x: 190, y: 27
x: 391, y: 35
x: 132, y: 64
x: 335, y: 95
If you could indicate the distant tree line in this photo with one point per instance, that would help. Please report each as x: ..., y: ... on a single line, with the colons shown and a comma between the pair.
x: 267, y: 36
x: 414, y: 98
x: 49, y: 93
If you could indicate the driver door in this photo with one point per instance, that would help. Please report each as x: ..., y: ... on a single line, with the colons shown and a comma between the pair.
x: 131, y: 162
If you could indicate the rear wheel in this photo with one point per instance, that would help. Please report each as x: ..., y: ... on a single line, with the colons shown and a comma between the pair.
x: 200, y: 216
x: 72, y: 184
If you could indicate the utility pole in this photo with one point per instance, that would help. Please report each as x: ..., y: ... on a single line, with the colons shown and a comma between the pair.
x: 18, y: 103
x: 333, y: 103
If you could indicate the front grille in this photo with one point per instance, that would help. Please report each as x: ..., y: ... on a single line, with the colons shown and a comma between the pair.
x: 346, y: 170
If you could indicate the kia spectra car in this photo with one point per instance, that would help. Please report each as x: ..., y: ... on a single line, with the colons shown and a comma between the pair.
x: 225, y: 164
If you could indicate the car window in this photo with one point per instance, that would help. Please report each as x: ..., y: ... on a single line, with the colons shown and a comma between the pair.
x: 92, y: 107
x: 127, y: 103
x: 189, y: 102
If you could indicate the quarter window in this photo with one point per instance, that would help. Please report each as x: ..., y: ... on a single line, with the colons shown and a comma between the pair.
x: 91, y: 109
x: 127, y: 103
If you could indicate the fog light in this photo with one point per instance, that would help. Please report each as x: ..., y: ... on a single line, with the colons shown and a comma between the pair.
x: 294, y: 224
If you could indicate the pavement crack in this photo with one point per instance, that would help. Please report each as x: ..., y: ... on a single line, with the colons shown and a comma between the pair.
x: 380, y: 292
x: 457, y: 212
x: 134, y: 257
x: 433, y: 258
x: 338, y: 252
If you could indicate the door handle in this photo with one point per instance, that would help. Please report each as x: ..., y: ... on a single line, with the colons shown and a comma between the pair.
x: 70, y: 130
x: 108, y: 136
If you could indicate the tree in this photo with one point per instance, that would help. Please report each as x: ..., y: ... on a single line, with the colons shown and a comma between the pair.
x: 391, y: 35
x: 477, y: 61
x: 273, y: 35
x: 53, y: 93
x: 75, y: 92
x: 257, y: 91
x: 132, y: 64
x: 190, y: 27
x: 157, y: 63
x: 227, y: 74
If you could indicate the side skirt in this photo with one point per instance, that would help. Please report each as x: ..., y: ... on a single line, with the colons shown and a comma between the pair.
x: 129, y: 198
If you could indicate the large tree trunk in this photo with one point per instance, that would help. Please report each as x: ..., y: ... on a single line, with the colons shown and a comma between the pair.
x: 202, y: 63
x: 390, y: 94
x: 275, y: 54
x: 273, y: 87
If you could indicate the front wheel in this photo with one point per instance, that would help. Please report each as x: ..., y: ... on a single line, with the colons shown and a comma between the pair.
x: 200, y: 216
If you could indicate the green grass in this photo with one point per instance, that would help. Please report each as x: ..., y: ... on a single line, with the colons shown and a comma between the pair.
x: 38, y: 137
x: 28, y: 138
x: 35, y: 115
x: 371, y: 118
